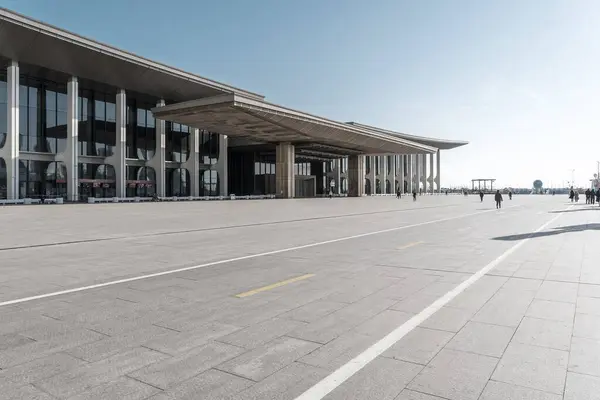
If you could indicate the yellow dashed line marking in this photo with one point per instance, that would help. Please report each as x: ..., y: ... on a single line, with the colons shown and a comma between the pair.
x: 406, y: 246
x: 273, y: 286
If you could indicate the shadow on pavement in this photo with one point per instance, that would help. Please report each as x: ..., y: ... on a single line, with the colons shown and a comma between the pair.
x: 555, y: 231
x: 596, y: 208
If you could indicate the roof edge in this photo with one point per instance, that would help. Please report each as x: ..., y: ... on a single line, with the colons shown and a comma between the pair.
x: 454, y: 143
x: 94, y: 45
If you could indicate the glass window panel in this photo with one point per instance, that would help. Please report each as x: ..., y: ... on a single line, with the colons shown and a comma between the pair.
x: 23, y: 95
x: 99, y: 110
x: 50, y: 100
x: 33, y: 100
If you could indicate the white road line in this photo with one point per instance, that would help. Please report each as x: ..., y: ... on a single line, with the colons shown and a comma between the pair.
x: 210, y: 264
x: 339, y: 376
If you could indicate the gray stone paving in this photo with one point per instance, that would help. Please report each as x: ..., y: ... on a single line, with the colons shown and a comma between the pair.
x: 528, y: 330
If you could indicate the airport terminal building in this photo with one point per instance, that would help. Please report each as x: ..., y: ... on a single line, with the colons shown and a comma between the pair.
x: 82, y: 119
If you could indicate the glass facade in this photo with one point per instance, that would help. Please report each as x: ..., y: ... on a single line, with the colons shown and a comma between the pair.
x: 141, y: 181
x: 390, y: 164
x: 42, y: 115
x: 3, y: 109
x: 264, y: 176
x: 177, y: 182
x: 39, y: 179
x: 209, y: 147
x: 97, y: 113
x: 302, y: 169
x: 344, y: 164
x: 209, y: 183
x: 140, y: 131
x: 96, y: 180
x: 177, y: 142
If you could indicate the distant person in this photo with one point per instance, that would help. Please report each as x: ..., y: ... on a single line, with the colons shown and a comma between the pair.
x: 481, y: 195
x: 498, y: 198
x: 598, y: 197
x: 398, y: 193
x: 446, y: 193
x: 587, y: 196
x: 572, y: 195
x: 414, y: 195
x: 593, y: 196
x: 510, y: 195
x: 576, y: 196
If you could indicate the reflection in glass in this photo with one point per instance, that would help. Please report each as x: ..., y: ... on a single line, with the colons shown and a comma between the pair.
x: 141, y: 181
x: 209, y: 183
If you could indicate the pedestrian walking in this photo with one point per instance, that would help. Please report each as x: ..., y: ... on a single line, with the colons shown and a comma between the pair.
x: 498, y: 198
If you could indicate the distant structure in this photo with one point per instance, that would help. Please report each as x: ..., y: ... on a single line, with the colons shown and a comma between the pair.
x: 485, y: 182
x: 538, y: 186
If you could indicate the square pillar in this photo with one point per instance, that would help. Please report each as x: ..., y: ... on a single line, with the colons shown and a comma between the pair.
x: 10, y: 151
x: 401, y: 172
x: 117, y: 160
x: 192, y: 164
x: 158, y: 161
x: 417, y: 178
x: 356, y: 176
x: 432, y: 181
x: 409, y: 172
x: 222, y: 164
x: 285, y: 157
x: 70, y: 157
x: 437, y: 178
x: 372, y: 175
x: 424, y: 172
x: 383, y: 173
x: 337, y: 169
x: 392, y: 173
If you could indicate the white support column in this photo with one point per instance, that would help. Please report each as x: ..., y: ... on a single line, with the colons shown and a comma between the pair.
x: 10, y: 151
x: 392, y: 173
x: 424, y: 172
x: 70, y: 157
x: 418, y: 172
x: 158, y: 161
x: 437, y: 178
x: 401, y: 173
x: 117, y: 160
x: 337, y: 169
x: 372, y: 175
x: 222, y: 165
x: 383, y: 173
x: 356, y: 176
x: 409, y: 172
x: 431, y: 171
x: 285, y: 157
x: 192, y: 164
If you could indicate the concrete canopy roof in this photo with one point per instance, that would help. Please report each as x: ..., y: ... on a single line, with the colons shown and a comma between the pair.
x: 236, y: 115
x: 442, y: 144
x: 35, y: 43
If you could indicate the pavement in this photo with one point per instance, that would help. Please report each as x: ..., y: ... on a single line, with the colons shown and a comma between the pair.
x: 369, y: 298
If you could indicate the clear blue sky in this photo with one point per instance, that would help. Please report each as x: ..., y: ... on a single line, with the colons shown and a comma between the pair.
x: 519, y: 79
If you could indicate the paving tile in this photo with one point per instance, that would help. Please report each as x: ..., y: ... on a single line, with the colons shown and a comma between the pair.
x: 505, y: 308
x: 415, y: 303
x: 558, y: 291
x: 339, y: 351
x: 552, y: 310
x: 484, y: 339
x: 586, y: 290
x: 263, y: 361
x: 419, y: 346
x: 582, y: 387
x: 448, y: 319
x: 122, y: 388
x: 27, y: 392
x: 262, y: 333
x: 11, y: 340
x: 209, y: 385
x: 80, y: 380
x: 533, y: 367
x: 521, y: 284
x: 455, y: 375
x: 313, y: 311
x: 285, y: 384
x: 545, y: 333
x: 100, y: 349
x: 503, y: 391
x: 41, y: 368
x: 381, y: 379
x: 407, y: 394
x: 171, y: 371
x: 587, y: 326
x: 588, y: 305
x: 176, y: 343
x: 585, y: 356
x: 383, y: 323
